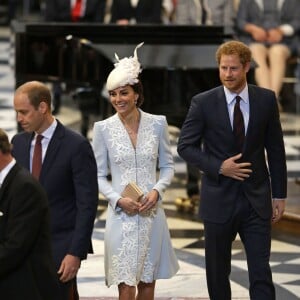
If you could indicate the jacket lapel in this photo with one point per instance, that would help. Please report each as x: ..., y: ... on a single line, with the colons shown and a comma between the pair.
x: 53, y: 147
x: 8, y: 179
x: 223, y: 113
x: 253, y: 111
x: 26, y: 156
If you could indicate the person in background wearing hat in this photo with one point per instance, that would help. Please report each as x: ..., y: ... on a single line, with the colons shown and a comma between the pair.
x: 27, y: 269
x: 130, y: 145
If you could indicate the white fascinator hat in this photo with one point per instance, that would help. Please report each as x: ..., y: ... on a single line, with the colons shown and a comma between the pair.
x: 126, y: 71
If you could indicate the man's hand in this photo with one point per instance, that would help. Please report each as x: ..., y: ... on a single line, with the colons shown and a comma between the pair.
x: 278, y: 210
x: 69, y: 267
x: 238, y: 171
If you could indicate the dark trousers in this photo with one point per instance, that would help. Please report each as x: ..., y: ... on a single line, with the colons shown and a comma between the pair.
x: 255, y: 234
x: 192, y: 184
x: 69, y: 290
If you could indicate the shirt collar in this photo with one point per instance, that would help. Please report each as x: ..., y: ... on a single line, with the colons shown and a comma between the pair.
x: 50, y: 130
x: 5, y: 170
x: 230, y: 97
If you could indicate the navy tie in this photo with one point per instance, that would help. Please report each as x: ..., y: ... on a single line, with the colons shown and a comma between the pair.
x: 238, y: 124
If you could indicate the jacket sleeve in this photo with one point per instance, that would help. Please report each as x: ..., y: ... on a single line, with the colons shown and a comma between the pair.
x: 166, y: 163
x: 20, y: 224
x: 190, y: 146
x: 101, y: 154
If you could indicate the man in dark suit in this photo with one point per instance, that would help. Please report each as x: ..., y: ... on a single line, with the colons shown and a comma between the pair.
x: 68, y: 174
x: 27, y: 269
x: 74, y: 11
x: 124, y: 12
x: 61, y: 11
x: 237, y: 187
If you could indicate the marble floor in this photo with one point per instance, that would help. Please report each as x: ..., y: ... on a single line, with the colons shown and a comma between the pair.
x: 186, y: 230
x: 187, y: 238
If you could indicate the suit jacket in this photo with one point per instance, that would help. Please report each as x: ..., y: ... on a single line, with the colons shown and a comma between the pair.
x: 145, y: 12
x: 251, y: 11
x: 188, y: 12
x: 60, y: 11
x: 222, y: 12
x: 27, y: 269
x: 69, y: 176
x: 206, y: 140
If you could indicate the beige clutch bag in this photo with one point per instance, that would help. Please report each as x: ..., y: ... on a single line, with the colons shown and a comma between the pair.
x: 132, y: 191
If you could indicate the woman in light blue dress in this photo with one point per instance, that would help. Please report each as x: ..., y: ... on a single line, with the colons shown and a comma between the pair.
x: 131, y: 145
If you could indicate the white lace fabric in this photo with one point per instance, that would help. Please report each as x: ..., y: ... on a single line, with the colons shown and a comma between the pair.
x: 137, y: 247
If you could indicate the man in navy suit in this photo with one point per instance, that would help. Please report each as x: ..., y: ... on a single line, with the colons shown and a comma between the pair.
x: 124, y: 12
x: 241, y: 193
x: 61, y: 11
x: 68, y: 174
x: 27, y: 269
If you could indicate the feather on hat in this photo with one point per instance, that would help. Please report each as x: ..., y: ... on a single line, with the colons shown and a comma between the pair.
x: 126, y: 71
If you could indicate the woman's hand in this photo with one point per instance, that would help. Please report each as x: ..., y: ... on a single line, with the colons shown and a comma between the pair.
x: 129, y: 206
x: 275, y: 35
x: 149, y: 201
x: 258, y: 33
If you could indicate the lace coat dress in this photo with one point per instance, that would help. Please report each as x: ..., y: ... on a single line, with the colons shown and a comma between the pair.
x: 137, y: 247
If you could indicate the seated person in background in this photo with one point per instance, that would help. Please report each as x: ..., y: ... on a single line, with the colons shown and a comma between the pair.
x: 124, y: 12
x: 204, y: 12
x: 223, y: 12
x: 192, y: 12
x: 269, y: 27
x: 72, y: 11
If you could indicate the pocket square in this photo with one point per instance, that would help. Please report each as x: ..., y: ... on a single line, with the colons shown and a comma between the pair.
x: 1, y: 213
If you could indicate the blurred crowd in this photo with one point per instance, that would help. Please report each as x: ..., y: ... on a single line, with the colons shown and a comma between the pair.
x: 270, y: 27
x: 129, y: 11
